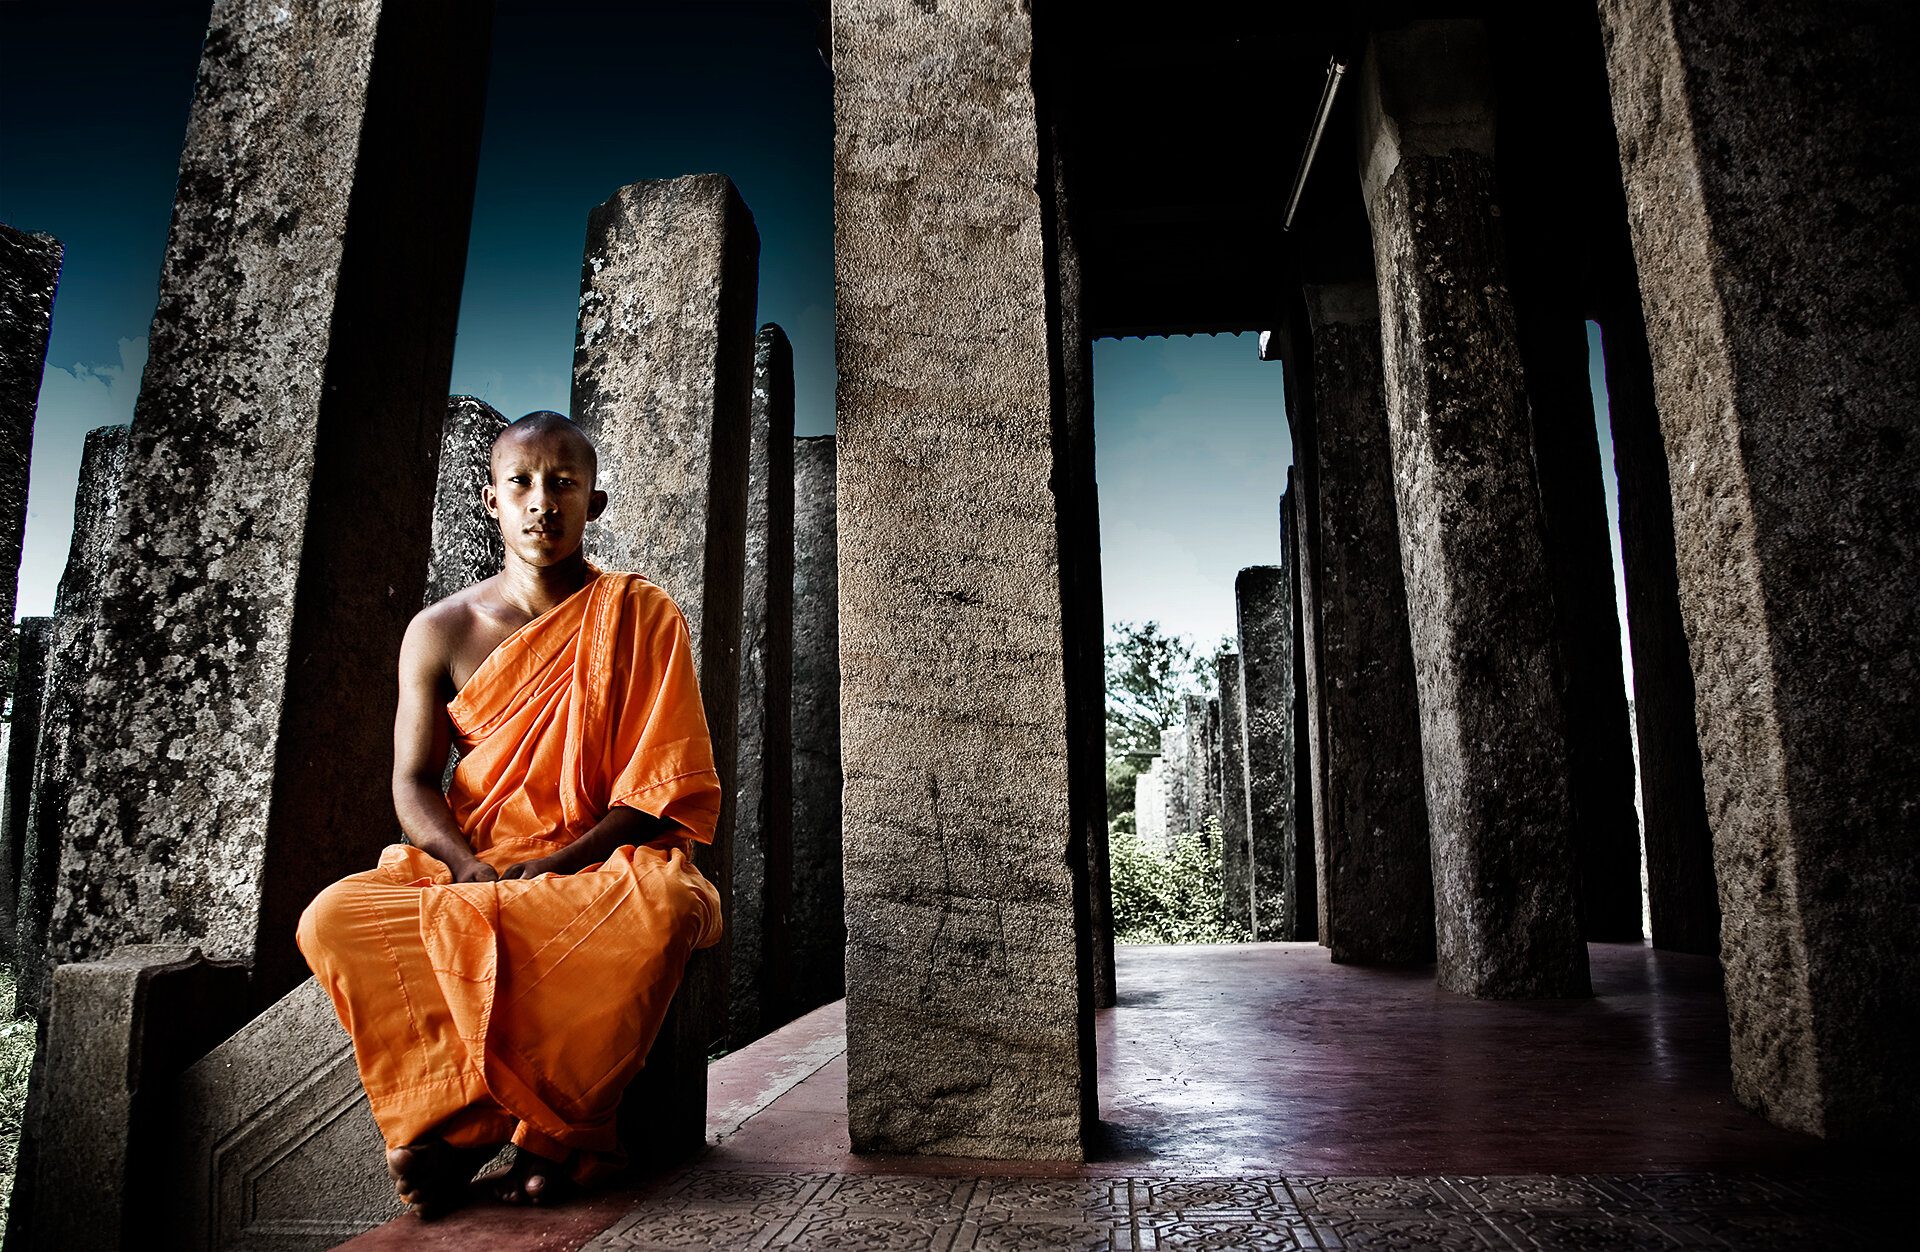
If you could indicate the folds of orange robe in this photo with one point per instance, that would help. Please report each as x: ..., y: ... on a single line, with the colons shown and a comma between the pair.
x: 520, y: 1009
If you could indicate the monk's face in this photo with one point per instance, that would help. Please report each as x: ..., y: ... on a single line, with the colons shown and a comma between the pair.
x: 542, y: 493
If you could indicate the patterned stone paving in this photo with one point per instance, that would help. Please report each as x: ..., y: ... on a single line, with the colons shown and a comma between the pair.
x: 857, y: 1212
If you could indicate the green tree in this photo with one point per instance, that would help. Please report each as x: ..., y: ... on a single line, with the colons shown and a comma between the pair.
x: 1149, y: 675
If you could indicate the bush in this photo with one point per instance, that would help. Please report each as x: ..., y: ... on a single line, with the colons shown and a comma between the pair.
x: 1162, y: 897
x: 16, y: 1058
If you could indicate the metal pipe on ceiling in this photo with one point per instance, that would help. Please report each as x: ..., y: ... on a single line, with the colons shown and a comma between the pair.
x: 1336, y: 70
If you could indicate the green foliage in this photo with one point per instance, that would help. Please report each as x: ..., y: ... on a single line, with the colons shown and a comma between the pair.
x: 1149, y: 674
x: 1162, y: 897
x: 16, y: 1058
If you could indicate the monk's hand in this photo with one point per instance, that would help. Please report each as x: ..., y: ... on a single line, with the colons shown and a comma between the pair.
x: 477, y: 870
x: 537, y: 866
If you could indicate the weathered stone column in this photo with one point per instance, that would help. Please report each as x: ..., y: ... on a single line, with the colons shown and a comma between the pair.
x: 1150, y: 805
x: 1479, y: 596
x: 763, y: 821
x: 1681, y: 894
x: 663, y: 381
x: 96, y: 502
x: 29, y: 277
x: 466, y: 542
x: 295, y: 388
x: 1283, y: 891
x: 969, y: 1003
x: 819, y: 930
x: 1175, y: 811
x: 1309, y: 794
x: 1379, y: 871
x: 31, y: 637
x: 1236, y: 848
x: 1199, y: 779
x: 1767, y: 156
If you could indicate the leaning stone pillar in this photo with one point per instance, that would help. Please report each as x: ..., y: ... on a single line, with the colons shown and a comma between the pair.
x: 96, y: 502
x: 29, y: 277
x: 1236, y: 849
x: 31, y: 638
x: 763, y: 821
x: 1379, y: 872
x: 466, y: 542
x: 294, y: 389
x: 819, y: 929
x: 1282, y: 888
x: 1766, y: 152
x: 663, y: 381
x: 969, y: 1002
x: 1479, y: 596
x: 1682, y: 898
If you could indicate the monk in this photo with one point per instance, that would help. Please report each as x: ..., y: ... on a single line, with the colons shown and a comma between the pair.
x: 504, y: 972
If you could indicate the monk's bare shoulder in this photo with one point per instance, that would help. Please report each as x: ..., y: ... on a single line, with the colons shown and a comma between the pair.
x: 447, y: 640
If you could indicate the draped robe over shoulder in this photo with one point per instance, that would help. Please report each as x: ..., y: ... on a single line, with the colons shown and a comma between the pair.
x: 520, y: 1009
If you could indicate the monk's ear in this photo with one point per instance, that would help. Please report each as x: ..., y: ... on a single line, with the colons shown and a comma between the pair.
x: 490, y: 498
x: 596, y: 505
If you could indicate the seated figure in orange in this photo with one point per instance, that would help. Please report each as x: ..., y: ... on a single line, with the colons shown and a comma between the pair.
x: 504, y: 972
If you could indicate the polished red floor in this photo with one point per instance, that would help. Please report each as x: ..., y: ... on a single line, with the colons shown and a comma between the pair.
x: 1268, y: 1059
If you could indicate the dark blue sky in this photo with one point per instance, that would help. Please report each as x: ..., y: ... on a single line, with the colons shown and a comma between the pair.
x: 582, y: 100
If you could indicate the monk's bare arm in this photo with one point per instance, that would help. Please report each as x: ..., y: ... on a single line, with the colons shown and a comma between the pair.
x: 421, y: 736
x: 620, y: 827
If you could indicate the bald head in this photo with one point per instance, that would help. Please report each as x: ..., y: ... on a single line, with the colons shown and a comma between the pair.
x: 539, y: 425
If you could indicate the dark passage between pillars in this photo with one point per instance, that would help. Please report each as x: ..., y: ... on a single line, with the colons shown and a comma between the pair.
x: 1681, y: 895
x: 1379, y: 872
x: 969, y: 999
x: 1768, y: 156
x: 1479, y: 596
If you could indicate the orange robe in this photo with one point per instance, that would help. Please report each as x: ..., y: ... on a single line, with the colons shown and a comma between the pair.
x: 520, y: 1009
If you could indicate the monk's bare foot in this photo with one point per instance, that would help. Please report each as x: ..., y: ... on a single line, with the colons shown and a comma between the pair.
x: 529, y: 1180
x: 432, y: 1176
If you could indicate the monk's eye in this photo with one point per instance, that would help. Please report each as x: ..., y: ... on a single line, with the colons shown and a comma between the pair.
x: 519, y: 480
x: 563, y: 482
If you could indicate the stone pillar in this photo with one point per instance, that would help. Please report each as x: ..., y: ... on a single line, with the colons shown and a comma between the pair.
x: 1479, y: 595
x: 29, y: 277
x: 1766, y: 152
x: 969, y: 999
x: 663, y: 382
x: 31, y: 637
x: 1379, y: 872
x: 1236, y: 849
x: 1199, y: 738
x: 1309, y: 794
x: 1681, y: 895
x: 295, y: 387
x: 763, y: 821
x: 466, y: 542
x: 1150, y: 805
x: 1283, y: 890
x: 819, y: 930
x: 1174, y: 752
x: 96, y: 502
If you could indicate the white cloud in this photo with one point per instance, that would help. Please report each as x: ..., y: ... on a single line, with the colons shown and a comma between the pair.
x: 72, y: 402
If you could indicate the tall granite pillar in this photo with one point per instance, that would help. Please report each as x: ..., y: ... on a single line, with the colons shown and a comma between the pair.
x: 1309, y: 793
x: 1282, y: 873
x: 466, y: 542
x: 1236, y: 847
x: 31, y: 637
x: 1150, y: 805
x: 969, y: 1002
x: 1379, y: 871
x: 663, y: 382
x: 819, y: 929
x: 1174, y: 753
x: 1682, y: 898
x: 29, y: 278
x: 1479, y: 596
x: 763, y: 818
x: 96, y: 503
x: 1767, y: 155
x: 1200, y: 749
x: 295, y: 387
